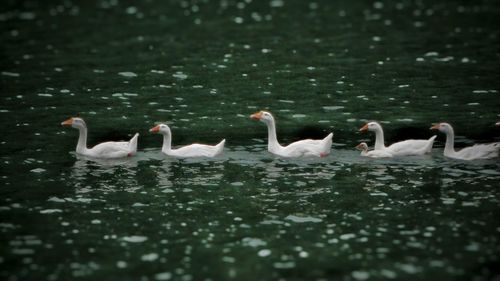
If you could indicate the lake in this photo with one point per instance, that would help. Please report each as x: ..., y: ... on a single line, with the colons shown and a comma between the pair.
x: 203, y: 67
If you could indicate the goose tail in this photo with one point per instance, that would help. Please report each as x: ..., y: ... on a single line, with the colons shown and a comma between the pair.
x: 430, y: 144
x: 132, y: 144
x: 220, y: 147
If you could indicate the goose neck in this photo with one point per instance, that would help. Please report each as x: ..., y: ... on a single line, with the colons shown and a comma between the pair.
x: 81, y: 146
x: 167, y: 142
x: 449, y: 146
x: 272, y: 142
x: 379, y: 139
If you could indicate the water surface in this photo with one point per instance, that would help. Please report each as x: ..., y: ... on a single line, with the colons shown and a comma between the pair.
x: 203, y: 67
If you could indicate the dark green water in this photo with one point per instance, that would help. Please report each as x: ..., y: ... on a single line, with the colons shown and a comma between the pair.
x: 204, y: 67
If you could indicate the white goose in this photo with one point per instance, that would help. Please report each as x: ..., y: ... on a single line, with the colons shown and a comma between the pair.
x: 308, y: 147
x: 193, y: 150
x: 478, y: 151
x: 373, y: 153
x: 402, y: 148
x: 105, y: 150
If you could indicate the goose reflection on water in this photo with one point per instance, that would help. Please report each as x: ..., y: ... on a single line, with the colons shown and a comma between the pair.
x: 85, y: 169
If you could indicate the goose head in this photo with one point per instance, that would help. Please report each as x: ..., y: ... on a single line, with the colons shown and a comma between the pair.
x: 442, y: 127
x: 161, y: 129
x: 370, y: 126
x: 362, y: 146
x: 263, y: 116
x: 497, y: 123
x: 75, y: 122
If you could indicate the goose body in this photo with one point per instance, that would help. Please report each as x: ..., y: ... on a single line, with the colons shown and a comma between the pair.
x: 308, y: 147
x: 105, y: 150
x: 192, y: 150
x: 478, y: 151
x: 402, y: 148
x: 373, y: 153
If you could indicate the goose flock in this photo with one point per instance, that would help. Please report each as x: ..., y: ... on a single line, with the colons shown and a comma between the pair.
x: 307, y: 147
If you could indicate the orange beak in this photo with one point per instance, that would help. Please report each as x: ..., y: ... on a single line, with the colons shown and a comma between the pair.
x: 256, y: 116
x: 68, y: 122
x: 364, y: 128
x: 434, y: 127
x: 155, y: 129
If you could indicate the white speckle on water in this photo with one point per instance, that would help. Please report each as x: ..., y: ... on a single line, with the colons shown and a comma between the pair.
x: 127, y: 74
x: 378, y: 5
x: 388, y: 273
x: 135, y: 239
x: 131, y: 10
x: 409, y: 268
x: 472, y: 247
x: 298, y: 115
x: 253, y: 242
x: 378, y: 194
x: 264, y: 253
x: 265, y: 51
x: 228, y: 259
x: 470, y: 204
x: 444, y: 59
x: 431, y: 54
x: 27, y: 15
x: 299, y: 219
x: 360, y: 275
x: 480, y: 91
x: 95, y: 221
x: 56, y: 199
x: 347, y: 236
x: 121, y: 264
x: 11, y: 74
x: 180, y: 75
x: 277, y: 3
x: 45, y: 95
x: 284, y: 265
x: 149, y: 257
x: 238, y: 20
x: 38, y: 170
x: 163, y: 276
x: 237, y: 183
x: 18, y: 251
x: 138, y: 205
x: 50, y: 211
